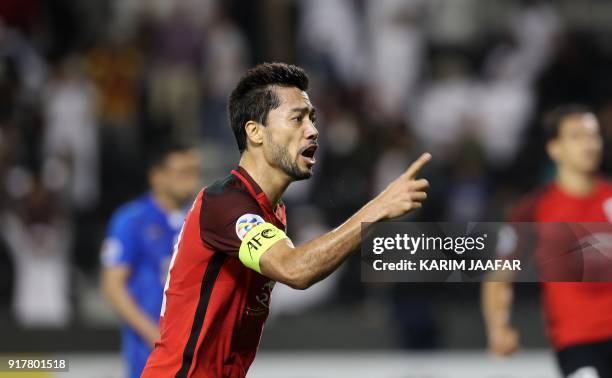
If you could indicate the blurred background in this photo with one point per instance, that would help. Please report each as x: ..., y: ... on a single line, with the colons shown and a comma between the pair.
x: 86, y: 87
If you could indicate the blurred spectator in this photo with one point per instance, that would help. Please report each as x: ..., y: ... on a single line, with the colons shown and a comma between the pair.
x: 174, y: 82
x: 397, y: 43
x: 115, y: 70
x: 38, y: 236
x: 453, y: 23
x: 445, y: 102
x: 330, y: 33
x: 28, y: 64
x: 71, y: 134
x: 225, y: 57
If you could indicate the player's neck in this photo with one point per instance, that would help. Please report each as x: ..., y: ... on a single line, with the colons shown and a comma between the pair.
x: 576, y: 183
x: 166, y: 203
x: 271, y: 182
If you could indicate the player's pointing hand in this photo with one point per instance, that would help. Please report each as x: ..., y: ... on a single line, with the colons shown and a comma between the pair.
x: 416, y: 166
x: 405, y: 193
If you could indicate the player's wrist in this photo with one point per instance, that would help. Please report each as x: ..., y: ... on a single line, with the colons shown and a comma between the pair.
x: 493, y: 331
x: 373, y: 212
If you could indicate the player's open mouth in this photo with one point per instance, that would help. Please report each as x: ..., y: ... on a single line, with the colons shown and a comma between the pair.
x: 308, y: 154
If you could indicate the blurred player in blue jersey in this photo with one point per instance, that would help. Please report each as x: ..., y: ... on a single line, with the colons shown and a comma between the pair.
x: 138, y: 247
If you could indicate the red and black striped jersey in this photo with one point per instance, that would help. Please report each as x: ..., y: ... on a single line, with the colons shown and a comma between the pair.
x: 214, y: 306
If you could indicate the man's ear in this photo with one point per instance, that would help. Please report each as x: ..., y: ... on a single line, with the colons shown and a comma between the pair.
x: 154, y: 177
x: 254, y: 132
x: 552, y: 148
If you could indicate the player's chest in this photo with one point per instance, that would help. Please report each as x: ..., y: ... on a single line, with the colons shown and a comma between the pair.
x: 257, y: 300
x: 594, y: 210
x: 157, y: 241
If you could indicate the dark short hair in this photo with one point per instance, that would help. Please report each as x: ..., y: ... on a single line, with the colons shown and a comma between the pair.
x: 554, y: 118
x: 159, y: 153
x: 253, y: 97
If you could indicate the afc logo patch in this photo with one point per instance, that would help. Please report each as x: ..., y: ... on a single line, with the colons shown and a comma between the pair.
x: 246, y: 222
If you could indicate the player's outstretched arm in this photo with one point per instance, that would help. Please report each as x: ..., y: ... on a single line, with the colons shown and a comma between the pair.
x: 302, y: 266
x: 496, y: 300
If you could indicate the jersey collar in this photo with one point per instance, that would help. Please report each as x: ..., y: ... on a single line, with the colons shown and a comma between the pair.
x: 597, y: 187
x: 174, y: 219
x: 255, y: 190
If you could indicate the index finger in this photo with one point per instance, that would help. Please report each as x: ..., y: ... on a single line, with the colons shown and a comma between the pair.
x: 418, y: 164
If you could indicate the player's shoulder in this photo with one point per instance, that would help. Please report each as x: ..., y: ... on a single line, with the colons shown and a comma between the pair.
x: 227, y: 204
x: 525, y: 209
x: 133, y: 211
x: 228, y: 191
x: 227, y: 212
x: 605, y: 184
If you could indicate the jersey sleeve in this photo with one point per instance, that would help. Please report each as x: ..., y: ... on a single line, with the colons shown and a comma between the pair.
x: 120, y: 247
x: 233, y: 223
x: 517, y: 236
x: 524, y: 211
x: 226, y: 219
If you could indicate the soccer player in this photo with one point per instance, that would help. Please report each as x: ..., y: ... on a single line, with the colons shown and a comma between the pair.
x: 137, y: 250
x: 233, y: 246
x: 578, y: 316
